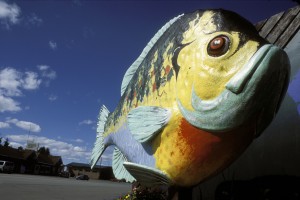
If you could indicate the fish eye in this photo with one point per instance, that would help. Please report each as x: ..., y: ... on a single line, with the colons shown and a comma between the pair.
x: 218, y: 46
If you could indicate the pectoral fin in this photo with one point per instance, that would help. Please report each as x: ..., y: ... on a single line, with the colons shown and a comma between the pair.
x: 119, y: 170
x: 145, y: 122
x: 147, y: 176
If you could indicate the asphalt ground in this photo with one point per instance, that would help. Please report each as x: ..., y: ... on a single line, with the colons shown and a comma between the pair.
x: 34, y: 187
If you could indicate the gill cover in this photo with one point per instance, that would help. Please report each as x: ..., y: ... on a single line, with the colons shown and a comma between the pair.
x: 247, y: 94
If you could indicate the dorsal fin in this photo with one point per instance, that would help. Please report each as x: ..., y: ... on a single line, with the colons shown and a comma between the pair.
x: 99, y: 146
x: 135, y: 65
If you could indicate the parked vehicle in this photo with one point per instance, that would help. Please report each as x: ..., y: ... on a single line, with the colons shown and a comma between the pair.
x: 82, y: 177
x: 6, y: 166
x: 64, y: 172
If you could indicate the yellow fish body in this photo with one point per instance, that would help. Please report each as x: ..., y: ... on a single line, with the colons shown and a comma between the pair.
x: 203, y: 88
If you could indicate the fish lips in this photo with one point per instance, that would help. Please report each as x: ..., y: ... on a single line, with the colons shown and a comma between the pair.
x: 256, y: 91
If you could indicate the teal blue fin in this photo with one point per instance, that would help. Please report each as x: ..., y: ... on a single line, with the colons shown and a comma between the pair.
x: 147, y: 176
x: 145, y: 122
x: 117, y: 164
x: 99, y: 146
x: 132, y: 69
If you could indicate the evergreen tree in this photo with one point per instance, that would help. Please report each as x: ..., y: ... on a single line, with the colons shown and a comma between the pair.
x: 6, y: 143
x: 44, y: 151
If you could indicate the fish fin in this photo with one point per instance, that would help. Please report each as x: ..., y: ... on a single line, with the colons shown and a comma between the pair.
x: 99, y: 145
x: 144, y: 122
x: 135, y: 65
x: 147, y: 176
x: 117, y: 164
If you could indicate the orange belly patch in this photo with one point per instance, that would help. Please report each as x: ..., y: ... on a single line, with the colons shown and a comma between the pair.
x: 190, y: 155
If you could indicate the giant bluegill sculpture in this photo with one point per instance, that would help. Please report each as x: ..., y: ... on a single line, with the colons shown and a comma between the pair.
x: 203, y: 88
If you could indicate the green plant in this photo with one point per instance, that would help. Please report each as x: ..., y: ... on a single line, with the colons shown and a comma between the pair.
x: 145, y: 193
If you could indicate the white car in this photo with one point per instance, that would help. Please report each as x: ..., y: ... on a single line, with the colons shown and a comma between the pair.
x: 6, y: 166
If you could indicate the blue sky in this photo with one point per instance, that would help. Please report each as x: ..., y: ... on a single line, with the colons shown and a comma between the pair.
x: 61, y: 60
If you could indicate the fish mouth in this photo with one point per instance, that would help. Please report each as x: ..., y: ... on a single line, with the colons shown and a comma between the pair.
x: 257, y: 87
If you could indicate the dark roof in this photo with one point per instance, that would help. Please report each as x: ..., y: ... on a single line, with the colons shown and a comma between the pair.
x: 14, y: 153
x: 25, y: 154
x: 280, y: 28
x: 48, y: 159
x: 44, y: 159
x: 56, y: 160
x: 84, y: 165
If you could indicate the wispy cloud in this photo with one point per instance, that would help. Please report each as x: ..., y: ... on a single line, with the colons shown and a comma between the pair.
x: 9, y: 14
x: 47, y: 72
x: 28, y: 126
x: 52, y: 45
x: 78, y: 140
x: 77, y: 2
x: 88, y: 32
x: 52, y: 97
x: 68, y: 151
x: 34, y: 20
x: 86, y: 122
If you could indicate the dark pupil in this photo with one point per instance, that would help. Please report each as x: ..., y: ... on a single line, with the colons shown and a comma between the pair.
x: 218, y: 46
x: 217, y: 43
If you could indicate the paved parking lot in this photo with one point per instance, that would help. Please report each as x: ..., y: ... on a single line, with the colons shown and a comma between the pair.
x: 30, y: 187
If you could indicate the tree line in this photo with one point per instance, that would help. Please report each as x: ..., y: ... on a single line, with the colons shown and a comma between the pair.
x: 41, y: 150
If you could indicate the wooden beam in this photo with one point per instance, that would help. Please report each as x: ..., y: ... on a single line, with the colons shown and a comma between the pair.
x: 269, y: 25
x: 281, y: 26
x: 289, y: 33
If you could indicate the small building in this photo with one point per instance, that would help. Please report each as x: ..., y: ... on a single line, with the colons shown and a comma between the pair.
x: 98, y: 172
x: 47, y: 164
x: 24, y: 160
x: 31, y: 162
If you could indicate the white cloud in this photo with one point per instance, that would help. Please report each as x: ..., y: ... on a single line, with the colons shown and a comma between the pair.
x: 52, y: 97
x: 43, y: 67
x: 4, y: 125
x: 52, y: 45
x: 29, y: 126
x: 86, y: 122
x: 31, y: 81
x: 79, y: 149
x: 9, y: 14
x: 68, y: 151
x: 47, y: 72
x: 14, y: 82
x: 10, y: 82
x: 16, y: 144
x: 8, y: 104
x: 78, y: 140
